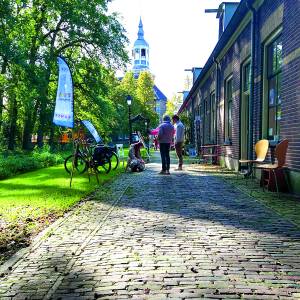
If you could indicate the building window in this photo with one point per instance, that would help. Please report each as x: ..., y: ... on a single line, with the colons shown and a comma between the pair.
x: 157, y: 107
x: 143, y: 52
x: 202, y: 121
x: 274, y: 68
x: 137, y: 54
x: 244, y: 110
x: 207, y: 121
x: 246, y: 79
x: 228, y: 110
x: 213, y: 117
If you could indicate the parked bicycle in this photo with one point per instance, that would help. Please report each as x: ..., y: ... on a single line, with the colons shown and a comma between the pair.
x: 88, y: 156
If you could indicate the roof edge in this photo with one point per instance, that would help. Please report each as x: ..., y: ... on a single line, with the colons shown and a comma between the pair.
x: 239, y: 15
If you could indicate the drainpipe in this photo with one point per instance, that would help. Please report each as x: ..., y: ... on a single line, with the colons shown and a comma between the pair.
x: 251, y: 98
x: 217, y: 94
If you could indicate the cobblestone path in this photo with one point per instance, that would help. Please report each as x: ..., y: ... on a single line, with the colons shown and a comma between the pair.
x: 184, y: 236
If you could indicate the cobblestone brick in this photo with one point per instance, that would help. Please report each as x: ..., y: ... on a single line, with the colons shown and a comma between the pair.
x: 184, y: 236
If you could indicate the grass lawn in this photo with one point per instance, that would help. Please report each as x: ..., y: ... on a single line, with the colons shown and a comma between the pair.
x: 31, y: 201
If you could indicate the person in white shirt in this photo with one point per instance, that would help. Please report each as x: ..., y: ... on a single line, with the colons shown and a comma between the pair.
x: 179, y: 140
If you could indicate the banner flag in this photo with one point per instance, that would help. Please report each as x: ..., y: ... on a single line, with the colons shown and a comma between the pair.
x: 64, y: 107
x: 92, y: 130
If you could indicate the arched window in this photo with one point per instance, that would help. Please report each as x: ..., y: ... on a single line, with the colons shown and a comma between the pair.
x: 143, y: 52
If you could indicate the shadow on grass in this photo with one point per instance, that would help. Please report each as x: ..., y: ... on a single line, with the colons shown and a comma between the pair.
x: 31, y: 201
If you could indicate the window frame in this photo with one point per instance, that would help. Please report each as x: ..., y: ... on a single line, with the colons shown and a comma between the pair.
x: 245, y: 71
x: 202, y: 118
x: 228, y: 125
x: 207, y: 111
x: 213, y: 116
x: 277, y: 35
x: 143, y: 52
x: 277, y: 76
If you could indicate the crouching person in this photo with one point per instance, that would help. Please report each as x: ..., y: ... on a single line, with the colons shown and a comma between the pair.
x: 135, y: 162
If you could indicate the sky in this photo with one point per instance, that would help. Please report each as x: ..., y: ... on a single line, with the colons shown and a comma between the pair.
x: 179, y: 33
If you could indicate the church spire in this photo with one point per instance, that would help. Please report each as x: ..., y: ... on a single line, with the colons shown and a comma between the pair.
x: 140, y: 51
x: 141, y: 30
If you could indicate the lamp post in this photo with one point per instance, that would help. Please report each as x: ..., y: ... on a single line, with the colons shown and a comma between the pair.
x: 129, y: 100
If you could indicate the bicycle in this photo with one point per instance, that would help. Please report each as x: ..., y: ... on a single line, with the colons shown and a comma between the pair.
x: 114, y: 157
x: 86, y: 157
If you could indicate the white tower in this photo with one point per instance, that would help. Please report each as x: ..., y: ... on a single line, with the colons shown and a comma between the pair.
x: 140, y: 52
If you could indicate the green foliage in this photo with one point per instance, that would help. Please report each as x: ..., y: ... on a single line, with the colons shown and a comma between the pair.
x: 32, y: 35
x: 22, y: 163
x: 46, y: 158
x: 143, y: 101
x: 92, y: 40
x: 173, y: 105
x: 17, y: 164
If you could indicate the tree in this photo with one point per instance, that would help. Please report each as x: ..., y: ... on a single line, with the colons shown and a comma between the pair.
x: 32, y: 35
x: 141, y: 91
x: 173, y: 105
x: 146, y: 96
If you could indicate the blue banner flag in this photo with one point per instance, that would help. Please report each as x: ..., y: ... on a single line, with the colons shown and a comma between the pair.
x: 64, y: 107
x: 92, y: 130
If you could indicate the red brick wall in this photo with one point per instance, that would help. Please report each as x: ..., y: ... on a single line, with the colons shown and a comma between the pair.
x: 290, y: 123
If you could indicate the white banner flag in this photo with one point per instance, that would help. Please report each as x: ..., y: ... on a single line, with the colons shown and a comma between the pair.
x: 92, y: 130
x: 64, y: 107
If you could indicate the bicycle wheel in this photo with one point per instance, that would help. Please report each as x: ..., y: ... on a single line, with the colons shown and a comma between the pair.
x: 79, y: 164
x: 114, y: 160
x: 104, y: 166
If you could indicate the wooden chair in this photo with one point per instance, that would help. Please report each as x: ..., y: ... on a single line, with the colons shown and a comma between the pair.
x: 211, y: 152
x: 269, y: 169
x: 261, y: 150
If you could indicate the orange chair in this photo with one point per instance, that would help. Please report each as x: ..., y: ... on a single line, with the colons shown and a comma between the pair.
x: 261, y: 150
x: 267, y: 169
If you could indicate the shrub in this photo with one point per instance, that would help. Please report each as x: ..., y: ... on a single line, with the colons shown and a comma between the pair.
x: 21, y: 163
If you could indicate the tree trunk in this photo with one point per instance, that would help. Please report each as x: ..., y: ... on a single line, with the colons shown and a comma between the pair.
x: 41, y: 126
x: 51, y: 138
x: 3, y: 71
x: 27, y: 131
x: 30, y: 119
x: 43, y: 114
x: 13, y: 123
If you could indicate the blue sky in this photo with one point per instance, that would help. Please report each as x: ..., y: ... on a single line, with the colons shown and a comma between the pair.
x: 180, y: 35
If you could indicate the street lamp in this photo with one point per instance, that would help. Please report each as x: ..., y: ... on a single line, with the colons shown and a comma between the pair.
x: 129, y: 100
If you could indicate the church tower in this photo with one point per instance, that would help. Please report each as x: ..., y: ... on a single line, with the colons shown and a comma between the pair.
x: 140, y: 62
x: 140, y: 52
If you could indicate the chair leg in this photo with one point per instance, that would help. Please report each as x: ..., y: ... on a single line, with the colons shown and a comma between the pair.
x: 263, y: 179
x: 251, y: 170
x: 274, y: 173
x: 287, y: 181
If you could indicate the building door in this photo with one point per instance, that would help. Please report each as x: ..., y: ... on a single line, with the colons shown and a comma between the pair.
x: 245, y: 95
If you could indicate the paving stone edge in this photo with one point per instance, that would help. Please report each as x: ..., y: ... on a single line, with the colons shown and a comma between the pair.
x: 7, y: 266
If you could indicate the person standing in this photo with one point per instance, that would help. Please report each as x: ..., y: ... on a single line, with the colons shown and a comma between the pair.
x: 165, y: 137
x: 179, y: 140
x: 155, y: 141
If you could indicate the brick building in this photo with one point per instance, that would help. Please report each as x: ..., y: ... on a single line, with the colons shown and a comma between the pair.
x: 249, y: 88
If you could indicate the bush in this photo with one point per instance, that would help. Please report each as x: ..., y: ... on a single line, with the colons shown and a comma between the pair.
x: 21, y: 163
